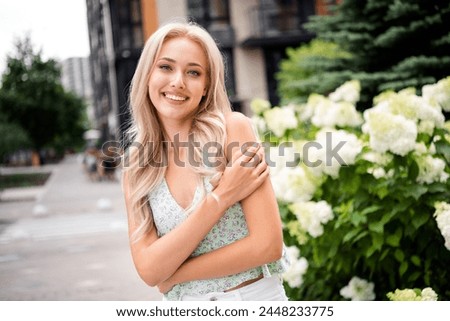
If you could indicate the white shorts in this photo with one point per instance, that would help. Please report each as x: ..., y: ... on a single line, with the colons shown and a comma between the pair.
x: 265, y: 289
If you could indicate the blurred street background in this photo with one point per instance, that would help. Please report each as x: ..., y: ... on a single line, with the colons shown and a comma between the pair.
x: 66, y: 239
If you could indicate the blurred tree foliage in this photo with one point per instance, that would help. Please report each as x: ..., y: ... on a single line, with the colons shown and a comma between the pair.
x: 34, y: 104
x: 393, y: 44
x: 12, y: 137
x: 299, y: 76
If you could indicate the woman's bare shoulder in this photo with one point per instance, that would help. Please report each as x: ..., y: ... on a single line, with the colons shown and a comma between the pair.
x: 238, y: 126
x: 236, y: 117
x: 240, y: 134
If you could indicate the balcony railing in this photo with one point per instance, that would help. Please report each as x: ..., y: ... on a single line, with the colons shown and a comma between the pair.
x: 273, y: 21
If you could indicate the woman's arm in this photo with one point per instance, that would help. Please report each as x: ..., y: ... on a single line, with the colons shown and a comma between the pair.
x: 264, y: 242
x: 158, y: 258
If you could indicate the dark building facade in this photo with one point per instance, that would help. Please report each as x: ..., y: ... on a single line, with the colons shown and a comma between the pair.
x: 116, y: 36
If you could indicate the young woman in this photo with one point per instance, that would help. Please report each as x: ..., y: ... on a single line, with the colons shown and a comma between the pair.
x: 203, y: 219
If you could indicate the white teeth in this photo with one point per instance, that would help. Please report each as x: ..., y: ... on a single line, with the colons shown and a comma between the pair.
x: 173, y: 97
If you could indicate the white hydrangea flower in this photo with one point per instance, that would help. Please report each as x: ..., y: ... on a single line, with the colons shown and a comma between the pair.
x: 426, y: 127
x: 442, y: 215
x: 432, y: 149
x: 333, y: 149
x: 306, y: 111
x: 259, y: 106
x: 377, y: 172
x: 403, y: 295
x: 311, y: 216
x: 382, y: 159
x: 389, y: 132
x: 328, y: 113
x: 300, y: 146
x: 323, y: 108
x: 259, y: 124
x: 298, y: 267
x: 279, y: 119
x: 407, y: 104
x: 420, y: 148
x: 358, y: 290
x: 425, y: 111
x: 291, y: 182
x: 428, y: 294
x: 347, y: 115
x: 431, y: 170
x: 280, y: 157
x: 349, y: 92
x: 438, y: 93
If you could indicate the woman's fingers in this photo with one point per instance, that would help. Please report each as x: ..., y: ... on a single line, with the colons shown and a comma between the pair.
x: 251, y: 157
x: 244, y: 175
x: 261, y: 167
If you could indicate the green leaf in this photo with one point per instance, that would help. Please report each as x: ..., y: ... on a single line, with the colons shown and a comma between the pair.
x: 415, y: 260
x: 443, y: 148
x: 399, y: 255
x: 382, y: 192
x: 414, y: 191
x: 284, y: 210
x: 347, y: 237
x: 371, y: 209
x: 420, y: 218
x: 357, y: 218
x: 389, y: 214
x: 384, y: 254
x: 360, y: 236
x: 413, y: 171
x: 376, y: 227
x: 394, y: 239
x: 403, y: 268
x: 377, y: 244
x: 414, y: 276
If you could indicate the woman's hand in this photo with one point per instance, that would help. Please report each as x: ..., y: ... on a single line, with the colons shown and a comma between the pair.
x: 244, y: 173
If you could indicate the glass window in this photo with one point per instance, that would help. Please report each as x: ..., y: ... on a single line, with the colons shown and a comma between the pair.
x: 209, y: 12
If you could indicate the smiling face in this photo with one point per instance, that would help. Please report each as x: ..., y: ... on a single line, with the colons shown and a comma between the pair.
x: 178, y: 79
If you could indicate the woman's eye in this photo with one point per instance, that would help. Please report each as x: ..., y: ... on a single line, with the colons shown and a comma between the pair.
x: 165, y: 67
x: 194, y: 73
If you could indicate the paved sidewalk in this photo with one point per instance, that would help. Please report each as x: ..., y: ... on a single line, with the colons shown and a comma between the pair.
x: 67, y: 240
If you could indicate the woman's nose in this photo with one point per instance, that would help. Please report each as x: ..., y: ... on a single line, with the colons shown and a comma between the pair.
x: 178, y: 80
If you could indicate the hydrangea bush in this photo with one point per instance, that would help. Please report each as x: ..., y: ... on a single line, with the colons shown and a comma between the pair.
x: 364, y: 197
x: 426, y: 294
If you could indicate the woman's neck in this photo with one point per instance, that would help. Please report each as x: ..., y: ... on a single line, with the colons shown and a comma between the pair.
x: 177, y: 131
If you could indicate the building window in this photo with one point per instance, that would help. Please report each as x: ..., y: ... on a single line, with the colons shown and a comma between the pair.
x: 209, y: 13
x: 281, y: 17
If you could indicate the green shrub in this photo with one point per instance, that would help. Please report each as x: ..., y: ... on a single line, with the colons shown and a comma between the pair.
x: 363, y: 197
x: 303, y: 71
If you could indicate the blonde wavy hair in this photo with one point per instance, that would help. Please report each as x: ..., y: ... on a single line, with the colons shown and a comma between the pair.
x: 146, y: 134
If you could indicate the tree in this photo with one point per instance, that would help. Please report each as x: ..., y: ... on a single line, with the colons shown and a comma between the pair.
x: 393, y: 44
x: 309, y: 68
x: 12, y: 138
x: 33, y: 98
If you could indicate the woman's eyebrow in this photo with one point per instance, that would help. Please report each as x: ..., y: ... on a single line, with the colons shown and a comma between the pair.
x: 189, y: 64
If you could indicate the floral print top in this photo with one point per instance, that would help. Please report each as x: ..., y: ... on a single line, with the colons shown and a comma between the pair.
x: 167, y: 214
